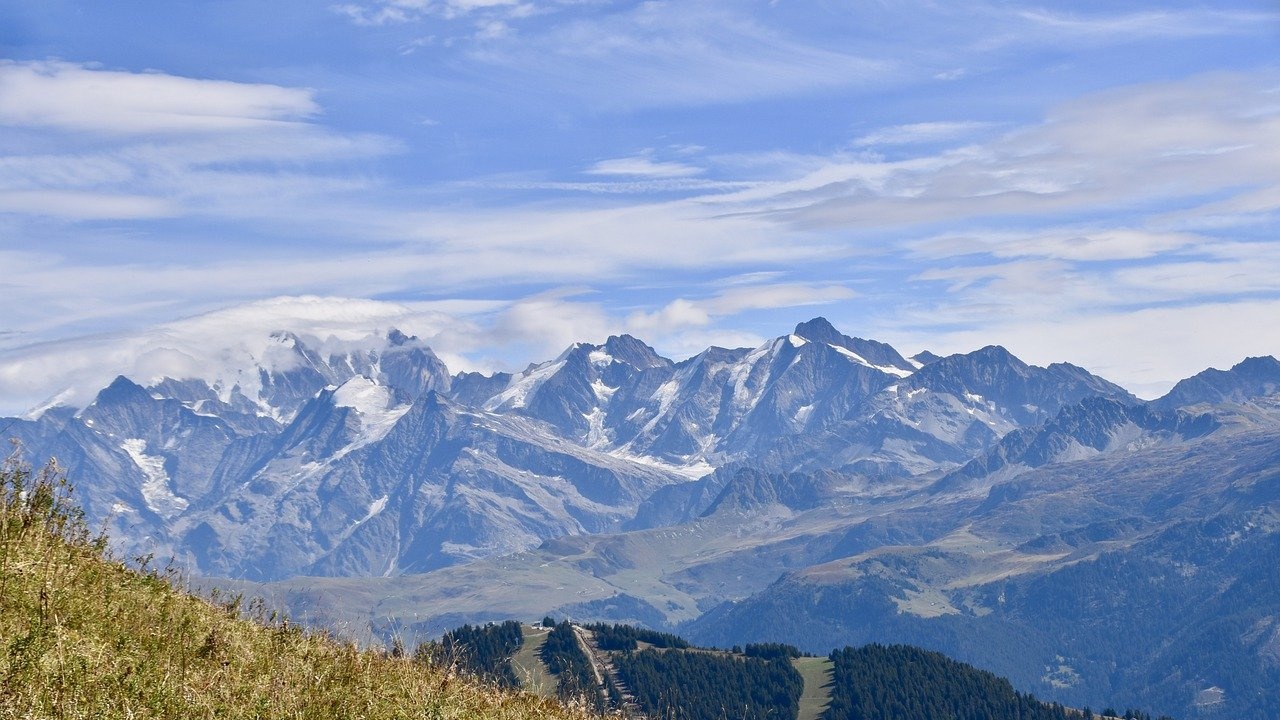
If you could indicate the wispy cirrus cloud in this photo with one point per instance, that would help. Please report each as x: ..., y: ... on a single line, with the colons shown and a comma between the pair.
x: 667, y: 54
x: 1144, y: 153
x: 643, y: 166
x: 926, y: 132
x: 85, y: 205
x: 953, y: 165
x: 81, y: 98
x: 683, y: 313
x: 621, y: 56
x: 393, y: 12
x: 1078, y: 244
x: 1194, y: 22
x: 115, y: 145
x: 1180, y: 143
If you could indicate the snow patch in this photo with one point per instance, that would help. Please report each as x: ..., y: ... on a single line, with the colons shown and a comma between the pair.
x: 602, y: 391
x: 518, y: 390
x: 743, y: 398
x: 155, y: 488
x: 363, y: 395
x: 372, y: 403
x: 61, y: 398
x: 375, y: 507
x: 796, y: 341
x: 696, y: 468
x: 802, y: 415
x: 596, y: 435
x: 666, y: 394
x: 863, y: 361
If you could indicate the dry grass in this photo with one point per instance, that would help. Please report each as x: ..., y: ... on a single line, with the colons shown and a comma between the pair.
x: 83, y: 635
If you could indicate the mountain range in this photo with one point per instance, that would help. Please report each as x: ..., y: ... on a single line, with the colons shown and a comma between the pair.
x: 820, y: 489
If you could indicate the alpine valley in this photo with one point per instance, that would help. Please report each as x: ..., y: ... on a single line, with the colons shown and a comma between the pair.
x: 820, y: 490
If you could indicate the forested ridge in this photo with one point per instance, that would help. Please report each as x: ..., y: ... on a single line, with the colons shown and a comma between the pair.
x: 660, y: 675
x: 877, y: 682
x: 703, y: 685
x: 628, y: 637
x: 485, y: 650
x: 564, y: 657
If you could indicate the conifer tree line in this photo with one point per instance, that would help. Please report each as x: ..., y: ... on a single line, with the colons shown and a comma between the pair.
x: 877, y: 682
x: 667, y: 678
x: 627, y: 637
x: 772, y: 651
x: 485, y: 650
x: 564, y: 658
x: 704, y: 685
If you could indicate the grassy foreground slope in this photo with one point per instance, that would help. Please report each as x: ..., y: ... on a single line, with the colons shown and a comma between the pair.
x: 85, y: 636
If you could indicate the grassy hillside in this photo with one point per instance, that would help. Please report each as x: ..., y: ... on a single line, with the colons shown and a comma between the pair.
x: 817, y: 677
x: 83, y: 635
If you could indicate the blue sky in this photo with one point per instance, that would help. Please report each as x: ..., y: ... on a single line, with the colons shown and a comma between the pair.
x: 1091, y: 182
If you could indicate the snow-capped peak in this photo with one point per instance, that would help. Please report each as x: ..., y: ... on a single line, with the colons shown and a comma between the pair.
x: 363, y: 395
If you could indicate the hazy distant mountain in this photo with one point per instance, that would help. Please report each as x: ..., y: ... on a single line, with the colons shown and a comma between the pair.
x: 1094, y: 426
x: 818, y: 489
x: 378, y: 461
x: 1142, y: 575
x: 1251, y: 378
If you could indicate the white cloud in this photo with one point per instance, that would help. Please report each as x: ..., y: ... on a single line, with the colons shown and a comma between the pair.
x: 573, y: 243
x: 223, y: 345
x: 85, y: 205
x: 660, y: 53
x: 643, y: 186
x: 1145, y: 350
x: 1120, y: 192
x: 1167, y: 142
x: 814, y: 214
x: 643, y: 166
x: 1084, y: 244
x: 436, y: 252
x: 486, y: 335
x: 395, y: 12
x: 1034, y: 287
x: 1183, y: 23
x: 684, y: 313
x: 1169, y: 167
x: 75, y: 97
x: 622, y: 56
x: 110, y: 145
x: 926, y: 132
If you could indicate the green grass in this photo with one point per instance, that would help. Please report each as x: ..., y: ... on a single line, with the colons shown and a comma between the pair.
x: 84, y: 635
x: 528, y: 666
x: 816, y: 672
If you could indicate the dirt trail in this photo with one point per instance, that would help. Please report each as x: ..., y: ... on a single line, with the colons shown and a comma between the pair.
x: 602, y: 667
